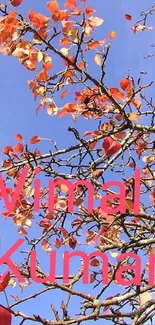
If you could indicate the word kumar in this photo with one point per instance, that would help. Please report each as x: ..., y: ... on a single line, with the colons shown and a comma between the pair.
x: 119, y: 275
x: 121, y: 207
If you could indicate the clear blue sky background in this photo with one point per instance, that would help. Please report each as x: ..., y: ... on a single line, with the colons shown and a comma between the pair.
x: 18, y: 107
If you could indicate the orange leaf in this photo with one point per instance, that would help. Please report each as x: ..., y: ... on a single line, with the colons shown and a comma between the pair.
x: 18, y: 137
x: 35, y: 139
x: 112, y: 35
x: 137, y: 103
x: 65, y: 93
x: 125, y: 84
x: 7, y: 150
x: 116, y: 94
x: 64, y: 41
x: 133, y: 117
x: 38, y: 20
x: 42, y: 75
x: 95, y: 262
x: 70, y: 4
x: 47, y: 66
x: 89, y: 11
x: 60, y: 15
x: 19, y: 147
x: 92, y: 45
x: 52, y: 6
x: 5, y: 281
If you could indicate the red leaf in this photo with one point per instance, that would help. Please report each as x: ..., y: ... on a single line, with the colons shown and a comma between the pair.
x: 110, y: 146
x: 5, y: 281
x: 72, y: 242
x: 18, y: 137
x: 92, y: 278
x: 57, y: 243
x: 35, y: 139
x: 65, y: 93
x: 95, y: 262
x: 7, y: 150
x: 5, y: 316
x: 107, y: 143
x: 45, y: 223
x: 125, y: 84
x: 87, y: 133
x: 116, y: 94
x: 128, y: 17
x: 19, y: 147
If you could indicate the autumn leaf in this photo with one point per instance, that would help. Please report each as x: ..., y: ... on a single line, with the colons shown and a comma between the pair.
x: 7, y: 150
x: 110, y: 146
x: 47, y: 66
x: 95, y: 262
x: 64, y: 94
x: 128, y: 17
x: 116, y: 94
x: 70, y: 4
x: 72, y: 242
x: 52, y: 6
x: 137, y: 103
x: 89, y: 11
x: 35, y: 139
x: 16, y: 3
x: 95, y: 21
x: 19, y: 137
x: 112, y: 35
x: 5, y: 316
x: 92, y: 45
x: 97, y: 59
x: 4, y: 282
x: 52, y: 109
x: 38, y: 20
x: 125, y: 84
x: 133, y: 117
x: 46, y: 246
x: 19, y: 147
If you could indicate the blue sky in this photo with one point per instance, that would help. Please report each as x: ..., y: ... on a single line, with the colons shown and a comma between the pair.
x: 18, y: 107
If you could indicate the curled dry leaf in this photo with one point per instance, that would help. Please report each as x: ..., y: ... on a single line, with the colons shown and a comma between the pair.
x: 95, y: 21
